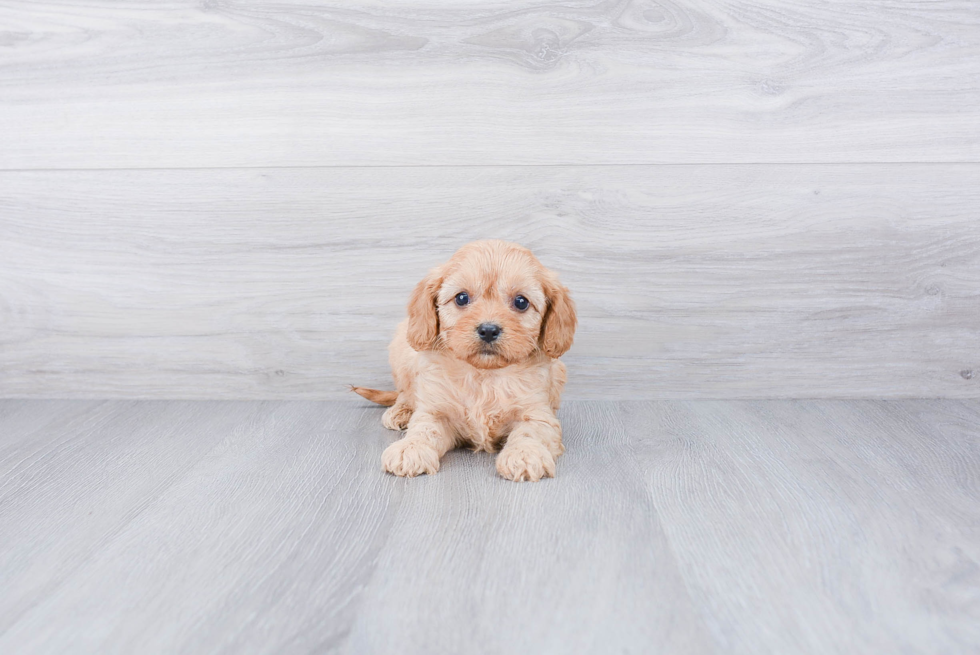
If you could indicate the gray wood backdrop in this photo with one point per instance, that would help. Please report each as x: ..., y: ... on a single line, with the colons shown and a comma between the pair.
x: 772, y: 198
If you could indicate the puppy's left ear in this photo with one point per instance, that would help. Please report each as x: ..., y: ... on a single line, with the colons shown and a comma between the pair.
x: 558, y: 325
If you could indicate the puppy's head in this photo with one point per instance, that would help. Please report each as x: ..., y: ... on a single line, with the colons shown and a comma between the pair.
x: 492, y: 304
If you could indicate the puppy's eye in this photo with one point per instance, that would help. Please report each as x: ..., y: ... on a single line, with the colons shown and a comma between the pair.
x: 462, y: 299
x: 521, y: 303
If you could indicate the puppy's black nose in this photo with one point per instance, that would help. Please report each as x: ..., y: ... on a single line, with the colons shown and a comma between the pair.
x: 488, y: 332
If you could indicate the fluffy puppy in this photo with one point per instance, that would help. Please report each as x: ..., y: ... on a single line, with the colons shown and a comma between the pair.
x: 476, y: 364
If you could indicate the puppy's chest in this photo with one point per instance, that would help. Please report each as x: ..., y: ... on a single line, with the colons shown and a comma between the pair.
x: 484, y: 407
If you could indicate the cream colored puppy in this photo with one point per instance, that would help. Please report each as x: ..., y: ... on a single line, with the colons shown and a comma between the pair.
x: 476, y: 364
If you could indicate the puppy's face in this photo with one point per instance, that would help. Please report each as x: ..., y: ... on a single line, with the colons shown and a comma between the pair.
x: 493, y: 304
x: 490, y: 308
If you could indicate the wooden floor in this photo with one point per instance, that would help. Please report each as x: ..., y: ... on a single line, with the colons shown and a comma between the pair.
x: 672, y: 527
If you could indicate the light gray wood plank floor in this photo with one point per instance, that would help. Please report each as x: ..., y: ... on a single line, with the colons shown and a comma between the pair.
x: 672, y: 527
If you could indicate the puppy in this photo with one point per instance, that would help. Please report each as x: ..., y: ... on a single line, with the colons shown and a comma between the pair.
x: 476, y: 364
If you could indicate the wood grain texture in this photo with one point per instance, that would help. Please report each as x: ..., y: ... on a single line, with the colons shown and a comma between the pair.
x: 680, y: 527
x: 528, y: 567
x: 691, y: 281
x: 194, y: 527
x: 831, y: 527
x: 96, y: 84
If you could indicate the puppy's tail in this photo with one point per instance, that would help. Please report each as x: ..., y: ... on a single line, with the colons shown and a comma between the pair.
x: 386, y: 398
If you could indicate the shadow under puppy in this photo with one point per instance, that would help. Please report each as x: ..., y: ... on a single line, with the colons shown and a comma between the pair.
x: 476, y: 364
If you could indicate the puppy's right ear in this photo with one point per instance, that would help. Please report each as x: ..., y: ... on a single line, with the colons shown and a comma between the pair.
x: 423, y: 319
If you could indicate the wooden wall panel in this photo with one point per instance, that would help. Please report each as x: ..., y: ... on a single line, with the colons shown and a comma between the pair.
x: 692, y: 281
x: 100, y: 84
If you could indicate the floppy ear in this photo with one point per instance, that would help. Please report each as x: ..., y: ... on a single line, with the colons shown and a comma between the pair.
x: 423, y: 320
x: 558, y: 325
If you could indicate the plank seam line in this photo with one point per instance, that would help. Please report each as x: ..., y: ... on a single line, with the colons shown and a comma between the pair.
x: 386, y: 166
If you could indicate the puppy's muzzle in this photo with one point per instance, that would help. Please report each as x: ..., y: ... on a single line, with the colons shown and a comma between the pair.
x: 488, y: 332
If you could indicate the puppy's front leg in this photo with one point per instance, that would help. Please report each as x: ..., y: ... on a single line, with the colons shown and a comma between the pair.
x: 531, y: 449
x: 420, y: 450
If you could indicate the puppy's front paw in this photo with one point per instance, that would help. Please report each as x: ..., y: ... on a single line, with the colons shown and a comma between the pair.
x: 396, y: 417
x: 527, y: 460
x: 410, y: 457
